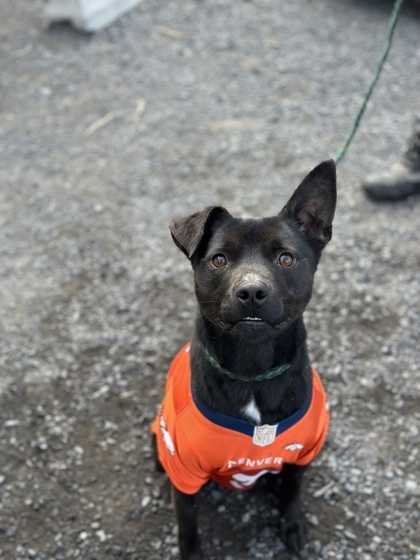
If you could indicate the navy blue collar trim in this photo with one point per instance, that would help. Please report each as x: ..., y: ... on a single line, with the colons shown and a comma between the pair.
x: 243, y: 426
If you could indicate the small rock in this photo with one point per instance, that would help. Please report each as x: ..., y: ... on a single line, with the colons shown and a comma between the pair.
x: 41, y: 445
x: 11, y: 423
x: 246, y: 517
x: 411, y: 486
x: 101, y: 535
x: 146, y: 501
x: 313, y: 520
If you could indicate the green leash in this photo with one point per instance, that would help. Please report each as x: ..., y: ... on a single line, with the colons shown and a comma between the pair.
x: 274, y: 372
x: 269, y: 374
x: 391, y: 27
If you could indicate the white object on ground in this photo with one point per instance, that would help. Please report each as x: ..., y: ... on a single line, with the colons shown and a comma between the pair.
x: 87, y: 15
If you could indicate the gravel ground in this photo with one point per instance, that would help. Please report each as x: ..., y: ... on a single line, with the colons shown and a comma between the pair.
x: 104, y: 139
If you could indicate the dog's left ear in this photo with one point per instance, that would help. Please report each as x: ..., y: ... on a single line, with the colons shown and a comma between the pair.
x: 312, y: 204
x: 190, y: 232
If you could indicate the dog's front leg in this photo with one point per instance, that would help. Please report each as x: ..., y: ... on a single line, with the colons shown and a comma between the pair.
x: 186, y: 511
x: 294, y: 528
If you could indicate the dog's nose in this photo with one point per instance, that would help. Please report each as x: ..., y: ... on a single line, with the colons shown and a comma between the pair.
x: 252, y: 295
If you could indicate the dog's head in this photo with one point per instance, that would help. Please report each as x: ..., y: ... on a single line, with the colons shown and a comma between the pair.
x: 253, y: 277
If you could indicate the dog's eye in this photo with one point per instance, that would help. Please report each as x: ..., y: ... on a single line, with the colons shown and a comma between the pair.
x: 286, y: 259
x: 219, y: 260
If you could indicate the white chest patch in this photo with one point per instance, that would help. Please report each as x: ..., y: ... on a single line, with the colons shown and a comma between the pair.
x: 251, y: 411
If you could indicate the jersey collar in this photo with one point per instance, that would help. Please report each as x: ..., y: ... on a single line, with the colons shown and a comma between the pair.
x: 243, y: 426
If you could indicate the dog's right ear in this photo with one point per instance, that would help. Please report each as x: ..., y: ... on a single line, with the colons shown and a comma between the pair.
x: 188, y: 233
x: 312, y: 205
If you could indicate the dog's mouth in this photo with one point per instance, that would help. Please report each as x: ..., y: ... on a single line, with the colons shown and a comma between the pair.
x: 251, y: 320
x: 256, y: 322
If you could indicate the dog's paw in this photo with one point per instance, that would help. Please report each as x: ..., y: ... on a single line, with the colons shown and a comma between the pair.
x: 192, y: 555
x: 196, y: 556
x: 294, y: 532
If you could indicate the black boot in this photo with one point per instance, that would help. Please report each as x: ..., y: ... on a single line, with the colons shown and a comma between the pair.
x: 403, y: 179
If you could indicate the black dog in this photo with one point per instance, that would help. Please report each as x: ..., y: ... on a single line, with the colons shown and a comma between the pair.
x: 242, y: 400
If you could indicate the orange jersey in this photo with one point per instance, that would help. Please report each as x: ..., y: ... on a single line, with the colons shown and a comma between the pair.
x: 196, y: 444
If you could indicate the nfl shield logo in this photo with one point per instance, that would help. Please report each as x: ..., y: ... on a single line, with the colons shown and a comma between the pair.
x: 264, y: 435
